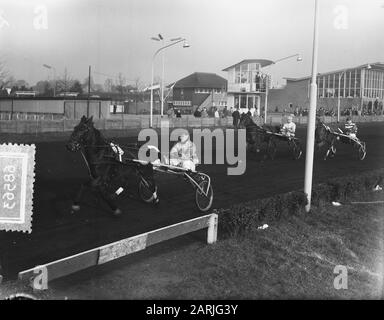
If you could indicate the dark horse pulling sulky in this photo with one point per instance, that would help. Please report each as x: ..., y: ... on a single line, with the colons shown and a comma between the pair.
x: 324, y: 135
x: 109, y: 174
x: 267, y: 135
x: 257, y: 136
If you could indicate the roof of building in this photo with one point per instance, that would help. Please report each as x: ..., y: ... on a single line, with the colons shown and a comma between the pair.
x: 375, y: 65
x: 201, y: 80
x: 263, y: 63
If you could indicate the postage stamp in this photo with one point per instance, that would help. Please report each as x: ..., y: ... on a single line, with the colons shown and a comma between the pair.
x: 17, y: 176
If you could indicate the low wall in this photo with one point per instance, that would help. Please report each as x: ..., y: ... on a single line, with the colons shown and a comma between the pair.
x: 142, y: 121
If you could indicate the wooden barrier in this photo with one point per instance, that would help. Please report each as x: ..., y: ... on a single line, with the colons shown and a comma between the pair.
x: 121, y: 248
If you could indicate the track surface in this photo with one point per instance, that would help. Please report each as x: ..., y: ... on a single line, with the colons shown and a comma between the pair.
x: 59, y: 173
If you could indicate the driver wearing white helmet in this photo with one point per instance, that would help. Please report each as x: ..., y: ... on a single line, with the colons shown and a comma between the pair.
x: 183, y: 153
x: 289, y: 128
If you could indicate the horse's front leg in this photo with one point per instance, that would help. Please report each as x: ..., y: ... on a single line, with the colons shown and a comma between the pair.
x: 76, y: 203
x: 107, y: 197
x: 330, y: 151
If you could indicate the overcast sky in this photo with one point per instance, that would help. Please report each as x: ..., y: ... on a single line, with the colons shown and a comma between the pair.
x: 114, y: 36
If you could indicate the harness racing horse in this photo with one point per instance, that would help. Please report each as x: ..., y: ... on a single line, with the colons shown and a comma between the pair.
x: 108, y: 174
x: 256, y: 136
x: 324, y: 136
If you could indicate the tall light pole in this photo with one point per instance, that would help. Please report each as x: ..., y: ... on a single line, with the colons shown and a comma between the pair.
x: 185, y: 45
x: 311, y: 115
x: 267, y: 86
x: 161, y: 38
x: 54, y: 76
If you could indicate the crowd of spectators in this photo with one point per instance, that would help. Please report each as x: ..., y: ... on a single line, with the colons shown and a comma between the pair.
x: 371, y: 108
x: 211, y: 112
x: 174, y: 112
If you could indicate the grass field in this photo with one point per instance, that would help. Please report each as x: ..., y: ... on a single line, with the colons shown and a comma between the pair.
x: 293, y: 258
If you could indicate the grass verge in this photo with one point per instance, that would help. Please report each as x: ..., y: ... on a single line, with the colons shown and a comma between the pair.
x: 293, y: 258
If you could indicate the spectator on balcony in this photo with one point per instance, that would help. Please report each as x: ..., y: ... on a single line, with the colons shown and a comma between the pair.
x: 197, y: 112
x: 170, y: 112
x: 204, y: 113
x: 216, y: 113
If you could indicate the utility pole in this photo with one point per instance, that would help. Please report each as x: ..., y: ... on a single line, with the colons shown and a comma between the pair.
x: 89, y: 89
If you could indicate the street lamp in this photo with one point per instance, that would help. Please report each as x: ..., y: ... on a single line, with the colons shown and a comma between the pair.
x: 299, y: 58
x: 174, y: 42
x: 161, y: 38
x: 54, y: 76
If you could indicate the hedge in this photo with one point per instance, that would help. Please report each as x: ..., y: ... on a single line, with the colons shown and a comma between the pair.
x: 241, y: 219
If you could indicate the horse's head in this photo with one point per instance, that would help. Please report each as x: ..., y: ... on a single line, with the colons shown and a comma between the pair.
x: 245, y: 121
x: 322, y: 132
x: 80, y: 134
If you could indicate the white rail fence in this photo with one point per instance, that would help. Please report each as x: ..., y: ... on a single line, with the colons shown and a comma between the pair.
x: 35, y: 126
x: 121, y: 248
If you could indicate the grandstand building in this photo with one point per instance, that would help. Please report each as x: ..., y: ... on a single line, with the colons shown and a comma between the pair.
x: 359, y: 89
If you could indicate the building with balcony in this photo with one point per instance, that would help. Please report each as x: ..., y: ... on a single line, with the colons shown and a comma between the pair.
x: 247, y: 84
x: 199, y: 89
x: 358, y: 89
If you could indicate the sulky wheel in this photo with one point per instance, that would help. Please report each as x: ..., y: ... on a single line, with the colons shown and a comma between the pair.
x: 333, y: 149
x: 204, y: 202
x: 362, y: 151
x: 296, y: 149
x: 146, y: 192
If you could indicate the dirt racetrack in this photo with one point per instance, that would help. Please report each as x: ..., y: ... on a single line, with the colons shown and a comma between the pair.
x: 59, y: 173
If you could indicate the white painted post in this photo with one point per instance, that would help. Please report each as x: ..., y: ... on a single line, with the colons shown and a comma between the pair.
x: 311, y: 116
x: 338, y: 99
x: 212, y: 228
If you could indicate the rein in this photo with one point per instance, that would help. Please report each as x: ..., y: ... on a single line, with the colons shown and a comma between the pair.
x: 86, y: 162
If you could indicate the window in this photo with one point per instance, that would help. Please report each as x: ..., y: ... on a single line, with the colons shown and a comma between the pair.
x: 243, y: 101
x: 182, y: 103
x: 236, y: 101
x: 237, y: 74
x: 320, y: 88
x: 244, y: 73
x: 205, y: 90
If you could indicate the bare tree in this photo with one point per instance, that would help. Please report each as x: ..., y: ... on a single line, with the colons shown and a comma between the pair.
x: 121, y: 81
x: 5, y: 78
x: 108, y: 85
x: 65, y: 82
x: 137, y: 83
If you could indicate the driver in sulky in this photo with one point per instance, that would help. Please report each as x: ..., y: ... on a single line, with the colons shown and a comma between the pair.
x: 289, y: 128
x: 183, y: 154
x: 350, y: 128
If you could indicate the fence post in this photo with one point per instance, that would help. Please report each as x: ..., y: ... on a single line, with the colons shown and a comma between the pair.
x: 212, y: 229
